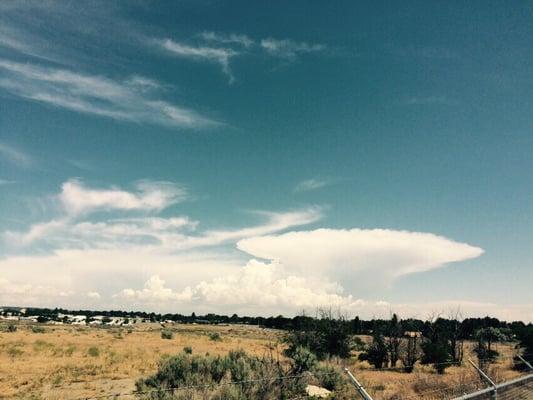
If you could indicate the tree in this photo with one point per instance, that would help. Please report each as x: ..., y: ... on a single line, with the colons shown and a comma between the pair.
x: 455, y: 336
x: 435, y: 347
x: 394, y: 338
x: 377, y: 353
x: 409, y: 351
x: 486, y: 337
x: 325, y: 336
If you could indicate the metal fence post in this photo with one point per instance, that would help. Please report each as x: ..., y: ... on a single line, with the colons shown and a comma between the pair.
x: 358, y: 386
x: 494, y: 394
x: 525, y: 362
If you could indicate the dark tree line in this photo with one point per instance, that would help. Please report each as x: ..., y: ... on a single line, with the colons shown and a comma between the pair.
x: 465, y: 329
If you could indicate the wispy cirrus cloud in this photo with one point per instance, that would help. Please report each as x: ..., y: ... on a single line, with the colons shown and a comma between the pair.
x: 289, y: 49
x: 311, y: 184
x: 231, y: 38
x: 216, y: 55
x: 127, y: 100
x: 233, y: 45
x: 15, y: 156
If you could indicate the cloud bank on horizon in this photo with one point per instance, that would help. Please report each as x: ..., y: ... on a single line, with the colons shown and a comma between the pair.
x: 89, y: 257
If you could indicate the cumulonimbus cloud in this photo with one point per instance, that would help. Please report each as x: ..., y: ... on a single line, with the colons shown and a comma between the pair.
x: 344, y: 252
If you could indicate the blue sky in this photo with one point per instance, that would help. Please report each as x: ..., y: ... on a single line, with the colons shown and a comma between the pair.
x: 267, y: 157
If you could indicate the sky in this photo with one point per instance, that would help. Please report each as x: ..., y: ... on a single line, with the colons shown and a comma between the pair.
x: 266, y: 158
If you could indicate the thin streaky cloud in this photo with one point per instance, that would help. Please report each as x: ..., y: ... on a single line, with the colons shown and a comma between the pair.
x: 231, y: 38
x: 14, y: 155
x: 289, y: 49
x: 216, y: 55
x: 311, y: 184
x: 126, y: 100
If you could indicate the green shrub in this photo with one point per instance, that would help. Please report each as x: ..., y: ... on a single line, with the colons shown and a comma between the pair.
x: 302, y: 360
x: 328, y: 377
x: 37, y: 329
x: 187, y: 350
x: 11, y: 328
x: 256, y: 376
x: 167, y: 334
x: 93, y: 351
x: 215, y: 336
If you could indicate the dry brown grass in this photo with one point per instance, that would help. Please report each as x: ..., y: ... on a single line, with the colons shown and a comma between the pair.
x: 68, y: 362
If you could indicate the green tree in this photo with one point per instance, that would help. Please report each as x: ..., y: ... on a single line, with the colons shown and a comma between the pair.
x: 377, y: 353
x: 435, y: 347
x: 486, y: 337
x: 394, y: 339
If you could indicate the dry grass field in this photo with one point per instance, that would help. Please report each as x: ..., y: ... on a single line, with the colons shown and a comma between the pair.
x: 74, y: 362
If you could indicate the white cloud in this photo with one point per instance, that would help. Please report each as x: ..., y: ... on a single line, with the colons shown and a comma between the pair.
x: 232, y: 38
x: 172, y: 233
x: 91, y: 94
x: 14, y: 155
x: 276, y: 222
x: 265, y: 286
x: 155, y: 291
x: 78, y: 198
x: 311, y: 184
x: 93, y: 295
x: 6, y: 182
x: 344, y: 253
x: 235, y: 45
x: 255, y: 287
x: 113, y: 233
x: 286, y: 48
x: 150, y: 262
x: 22, y: 292
x: 216, y: 55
